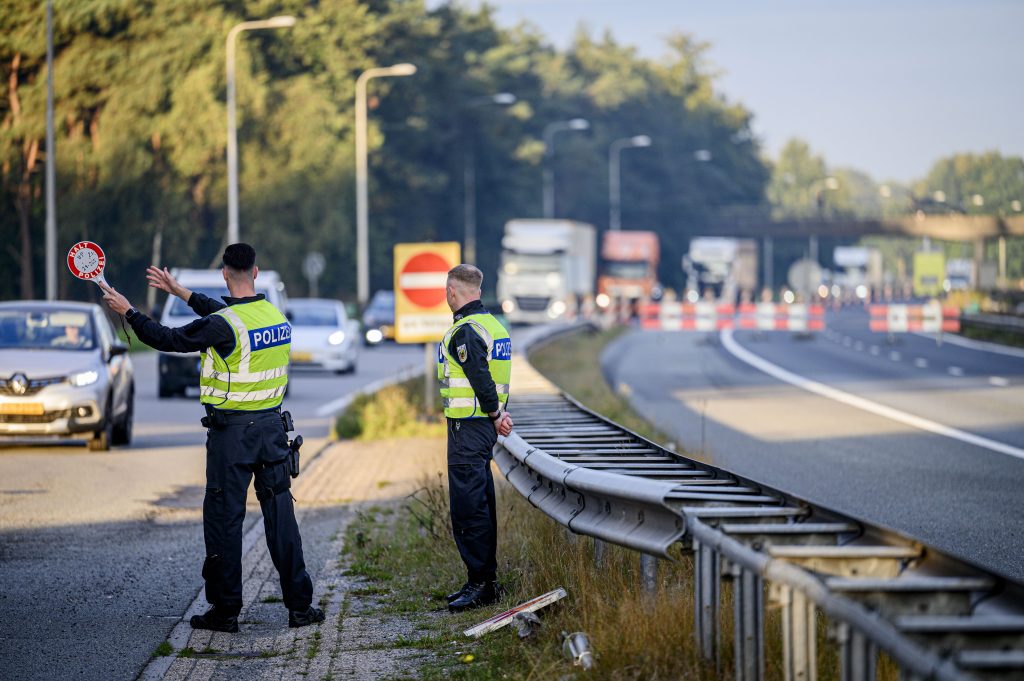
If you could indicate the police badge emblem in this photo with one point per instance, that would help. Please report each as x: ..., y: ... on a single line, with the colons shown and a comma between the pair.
x: 461, y: 351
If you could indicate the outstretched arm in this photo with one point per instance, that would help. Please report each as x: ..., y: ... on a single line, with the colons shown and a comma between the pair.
x: 163, y: 280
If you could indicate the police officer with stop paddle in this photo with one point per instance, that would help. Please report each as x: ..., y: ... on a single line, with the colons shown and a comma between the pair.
x: 246, y: 344
x: 474, y: 366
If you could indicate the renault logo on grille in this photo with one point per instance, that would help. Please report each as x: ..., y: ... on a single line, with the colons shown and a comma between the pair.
x: 19, y: 384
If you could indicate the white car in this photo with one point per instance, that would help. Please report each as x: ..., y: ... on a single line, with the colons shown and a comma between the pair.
x: 323, y: 335
x: 64, y: 374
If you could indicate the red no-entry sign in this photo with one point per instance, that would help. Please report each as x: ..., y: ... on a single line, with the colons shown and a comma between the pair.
x: 421, y: 272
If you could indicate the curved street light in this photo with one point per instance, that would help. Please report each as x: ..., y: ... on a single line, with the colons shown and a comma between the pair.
x: 283, y: 21
x: 615, y: 176
x: 362, y: 184
x: 573, y: 124
x: 469, y: 179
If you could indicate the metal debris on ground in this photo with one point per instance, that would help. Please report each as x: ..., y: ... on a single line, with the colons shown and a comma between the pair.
x: 527, y: 624
x: 505, y: 618
x: 576, y: 647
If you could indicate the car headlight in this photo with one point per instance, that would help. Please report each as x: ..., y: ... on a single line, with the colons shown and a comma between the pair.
x: 336, y: 338
x: 603, y: 300
x: 558, y: 307
x: 508, y: 306
x: 374, y: 336
x: 83, y: 378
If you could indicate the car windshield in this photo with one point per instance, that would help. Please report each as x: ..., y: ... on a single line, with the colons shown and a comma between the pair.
x: 626, y: 270
x: 312, y: 314
x: 383, y: 303
x: 46, y: 329
x: 179, y: 308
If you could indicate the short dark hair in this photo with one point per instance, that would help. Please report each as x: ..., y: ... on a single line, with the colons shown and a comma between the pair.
x: 467, y: 275
x: 239, y: 257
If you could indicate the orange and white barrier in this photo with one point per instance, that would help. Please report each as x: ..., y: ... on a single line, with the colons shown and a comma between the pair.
x: 931, y: 318
x: 672, y: 316
x: 781, y: 317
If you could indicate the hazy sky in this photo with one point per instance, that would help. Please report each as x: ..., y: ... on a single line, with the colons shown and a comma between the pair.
x: 886, y: 86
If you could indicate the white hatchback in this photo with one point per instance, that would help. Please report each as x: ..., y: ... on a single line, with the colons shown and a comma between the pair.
x: 323, y: 335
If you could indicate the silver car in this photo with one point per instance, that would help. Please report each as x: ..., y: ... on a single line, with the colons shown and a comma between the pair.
x: 64, y: 374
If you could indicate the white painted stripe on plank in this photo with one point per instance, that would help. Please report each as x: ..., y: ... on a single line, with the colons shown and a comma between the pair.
x: 775, y: 371
x: 423, y: 280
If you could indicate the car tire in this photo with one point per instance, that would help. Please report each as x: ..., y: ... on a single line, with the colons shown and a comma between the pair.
x: 102, y: 439
x: 122, y: 434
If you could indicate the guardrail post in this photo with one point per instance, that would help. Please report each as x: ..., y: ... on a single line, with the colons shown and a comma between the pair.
x: 649, y: 572
x: 857, y: 655
x: 599, y: 550
x: 706, y: 592
x: 799, y: 636
x: 748, y: 607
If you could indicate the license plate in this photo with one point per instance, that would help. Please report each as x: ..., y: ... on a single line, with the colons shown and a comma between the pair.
x: 23, y: 408
x: 192, y: 391
x: 302, y: 356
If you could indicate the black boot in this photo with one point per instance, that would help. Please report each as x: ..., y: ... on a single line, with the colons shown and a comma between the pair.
x: 215, y: 621
x: 303, y: 618
x: 453, y: 596
x: 476, y: 596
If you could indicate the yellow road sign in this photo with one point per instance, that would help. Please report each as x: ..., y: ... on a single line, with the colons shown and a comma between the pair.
x: 929, y: 273
x: 421, y: 309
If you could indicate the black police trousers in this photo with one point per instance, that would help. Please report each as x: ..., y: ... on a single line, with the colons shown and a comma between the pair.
x: 253, y: 443
x: 471, y: 495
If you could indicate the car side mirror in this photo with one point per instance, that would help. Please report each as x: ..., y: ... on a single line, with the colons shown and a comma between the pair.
x: 117, y: 349
x: 289, y: 316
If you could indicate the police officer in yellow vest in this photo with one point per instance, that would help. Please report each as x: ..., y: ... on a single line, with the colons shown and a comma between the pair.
x: 474, y: 363
x: 246, y: 343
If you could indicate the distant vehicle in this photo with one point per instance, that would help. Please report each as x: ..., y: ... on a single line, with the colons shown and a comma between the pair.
x: 860, y: 274
x: 379, y: 318
x: 721, y: 268
x: 547, y: 269
x: 179, y: 372
x: 629, y: 266
x: 959, y: 274
x: 64, y: 374
x: 323, y: 335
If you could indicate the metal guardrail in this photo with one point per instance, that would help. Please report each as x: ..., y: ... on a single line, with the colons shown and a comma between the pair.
x: 935, y: 616
x: 994, y: 322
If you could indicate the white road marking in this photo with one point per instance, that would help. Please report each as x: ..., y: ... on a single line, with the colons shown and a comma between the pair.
x: 921, y: 363
x: 895, y: 356
x: 998, y: 381
x: 336, y: 406
x: 873, y: 350
x: 775, y: 371
x: 858, y: 345
x: 955, y: 371
x: 846, y: 341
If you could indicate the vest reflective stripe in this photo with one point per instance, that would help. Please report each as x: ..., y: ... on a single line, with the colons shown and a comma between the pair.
x: 459, y: 399
x: 249, y: 379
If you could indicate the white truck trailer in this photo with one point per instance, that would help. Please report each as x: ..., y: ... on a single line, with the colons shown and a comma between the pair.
x: 547, y: 269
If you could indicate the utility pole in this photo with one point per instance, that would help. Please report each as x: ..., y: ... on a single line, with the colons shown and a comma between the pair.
x: 51, y: 166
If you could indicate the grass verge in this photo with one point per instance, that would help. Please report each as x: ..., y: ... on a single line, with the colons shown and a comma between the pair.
x: 573, y: 364
x: 396, y: 411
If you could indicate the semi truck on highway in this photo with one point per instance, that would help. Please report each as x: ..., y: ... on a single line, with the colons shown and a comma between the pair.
x: 629, y: 265
x: 547, y: 269
x: 721, y: 268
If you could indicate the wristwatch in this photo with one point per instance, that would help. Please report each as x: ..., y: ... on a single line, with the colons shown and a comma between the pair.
x: 496, y: 416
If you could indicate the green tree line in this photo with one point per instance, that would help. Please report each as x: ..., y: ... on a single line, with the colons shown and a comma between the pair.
x: 141, y: 134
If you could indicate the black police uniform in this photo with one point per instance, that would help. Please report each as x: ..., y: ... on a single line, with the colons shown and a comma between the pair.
x: 242, y: 444
x: 470, y: 444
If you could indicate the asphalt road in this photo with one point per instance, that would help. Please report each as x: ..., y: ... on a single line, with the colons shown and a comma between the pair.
x: 100, y: 552
x: 924, y: 438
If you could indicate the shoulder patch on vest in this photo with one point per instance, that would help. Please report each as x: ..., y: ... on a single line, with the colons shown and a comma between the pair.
x: 462, y: 353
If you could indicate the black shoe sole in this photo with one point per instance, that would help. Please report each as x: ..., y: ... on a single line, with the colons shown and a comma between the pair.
x: 473, y: 605
x: 226, y: 628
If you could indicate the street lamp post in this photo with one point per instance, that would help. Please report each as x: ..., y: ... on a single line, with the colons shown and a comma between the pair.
x: 469, y: 180
x: 51, y: 166
x: 830, y: 184
x: 283, y: 21
x: 549, y: 153
x: 615, y: 176
x: 362, y: 183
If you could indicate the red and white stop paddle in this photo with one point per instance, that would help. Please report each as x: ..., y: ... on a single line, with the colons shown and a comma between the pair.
x: 86, y: 261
